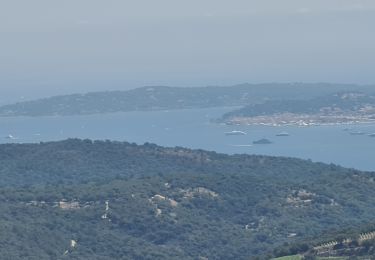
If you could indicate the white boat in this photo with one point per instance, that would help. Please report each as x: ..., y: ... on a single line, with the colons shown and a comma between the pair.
x: 10, y: 137
x: 357, y: 133
x: 241, y: 145
x: 235, y: 132
x: 282, y: 134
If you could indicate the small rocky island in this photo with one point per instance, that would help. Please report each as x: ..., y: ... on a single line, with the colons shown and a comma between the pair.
x: 262, y: 141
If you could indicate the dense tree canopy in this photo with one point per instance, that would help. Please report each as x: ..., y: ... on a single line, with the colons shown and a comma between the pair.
x: 83, y: 199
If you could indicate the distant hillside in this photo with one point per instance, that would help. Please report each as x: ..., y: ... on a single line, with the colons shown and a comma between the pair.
x: 342, y: 107
x: 80, y: 199
x: 160, y: 98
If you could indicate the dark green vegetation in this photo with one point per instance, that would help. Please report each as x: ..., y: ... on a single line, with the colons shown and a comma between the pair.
x: 159, y: 98
x: 168, y: 203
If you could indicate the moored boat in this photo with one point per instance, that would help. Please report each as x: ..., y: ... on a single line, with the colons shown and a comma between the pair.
x: 235, y: 132
x: 282, y: 134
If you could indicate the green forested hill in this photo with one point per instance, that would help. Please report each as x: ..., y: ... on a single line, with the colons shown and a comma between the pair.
x: 79, y: 199
x: 161, y: 97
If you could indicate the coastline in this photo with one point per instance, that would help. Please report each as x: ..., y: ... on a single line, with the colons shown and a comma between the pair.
x: 302, y: 120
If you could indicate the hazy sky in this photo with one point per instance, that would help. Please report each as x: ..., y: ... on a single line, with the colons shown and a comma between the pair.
x: 62, y: 46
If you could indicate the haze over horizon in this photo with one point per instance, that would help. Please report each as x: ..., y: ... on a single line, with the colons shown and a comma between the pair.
x: 50, y: 48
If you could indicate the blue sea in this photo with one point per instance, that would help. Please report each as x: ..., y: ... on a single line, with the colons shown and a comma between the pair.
x: 195, y: 129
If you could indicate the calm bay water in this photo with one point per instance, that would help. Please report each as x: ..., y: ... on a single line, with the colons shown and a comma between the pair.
x: 193, y: 129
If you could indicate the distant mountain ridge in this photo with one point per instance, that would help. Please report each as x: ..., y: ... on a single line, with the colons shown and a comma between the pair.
x: 163, y: 98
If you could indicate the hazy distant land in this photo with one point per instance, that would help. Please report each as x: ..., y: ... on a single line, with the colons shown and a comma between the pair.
x: 339, y: 108
x: 168, y: 98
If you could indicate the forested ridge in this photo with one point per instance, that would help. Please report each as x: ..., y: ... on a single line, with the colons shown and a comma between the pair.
x: 83, y: 199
